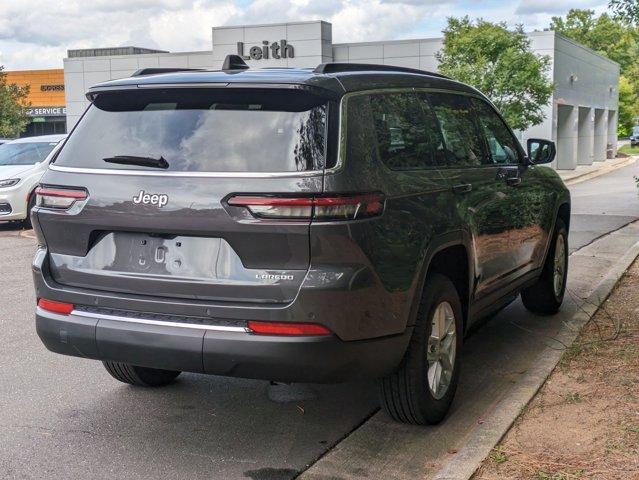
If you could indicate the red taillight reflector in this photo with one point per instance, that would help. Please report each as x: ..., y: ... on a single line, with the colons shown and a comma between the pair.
x: 62, y: 192
x: 347, y: 200
x: 55, y: 307
x: 285, y: 328
x: 249, y: 201
x: 339, y: 207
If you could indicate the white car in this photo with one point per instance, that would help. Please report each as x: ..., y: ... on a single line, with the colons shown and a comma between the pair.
x: 22, y: 163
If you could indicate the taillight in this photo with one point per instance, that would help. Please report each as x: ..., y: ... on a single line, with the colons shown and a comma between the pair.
x: 55, y: 307
x: 337, y: 207
x: 275, y: 207
x: 59, y: 198
x: 286, y: 328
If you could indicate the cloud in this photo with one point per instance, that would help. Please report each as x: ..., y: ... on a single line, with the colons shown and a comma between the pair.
x: 529, y: 7
x: 352, y: 20
x: 360, y: 22
x: 37, y: 33
x: 189, y: 29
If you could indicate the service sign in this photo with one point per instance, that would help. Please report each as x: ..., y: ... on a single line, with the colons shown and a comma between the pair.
x: 47, y: 111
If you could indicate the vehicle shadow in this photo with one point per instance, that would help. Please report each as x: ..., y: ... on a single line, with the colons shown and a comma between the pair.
x: 11, y: 226
x: 495, y: 359
x: 199, y: 427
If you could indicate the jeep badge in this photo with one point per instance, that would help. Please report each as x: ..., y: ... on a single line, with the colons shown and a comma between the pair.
x: 151, y: 199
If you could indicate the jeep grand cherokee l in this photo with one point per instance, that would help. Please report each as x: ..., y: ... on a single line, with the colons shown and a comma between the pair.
x: 294, y: 225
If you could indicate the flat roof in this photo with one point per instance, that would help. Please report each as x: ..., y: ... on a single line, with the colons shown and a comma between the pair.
x: 110, y: 51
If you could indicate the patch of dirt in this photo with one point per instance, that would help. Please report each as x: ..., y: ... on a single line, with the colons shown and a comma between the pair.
x: 584, y: 421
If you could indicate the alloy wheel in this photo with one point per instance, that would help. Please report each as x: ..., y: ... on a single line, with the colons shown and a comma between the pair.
x: 442, y: 348
x: 559, y: 267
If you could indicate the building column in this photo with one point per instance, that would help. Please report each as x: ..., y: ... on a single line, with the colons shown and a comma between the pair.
x: 586, y: 136
x: 612, y: 131
x: 601, y: 134
x: 567, y: 137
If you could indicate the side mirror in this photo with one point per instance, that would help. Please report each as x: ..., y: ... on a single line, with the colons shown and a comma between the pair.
x: 541, y: 151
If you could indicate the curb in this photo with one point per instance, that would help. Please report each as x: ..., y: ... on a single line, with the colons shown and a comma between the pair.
x: 465, y: 463
x: 606, y: 168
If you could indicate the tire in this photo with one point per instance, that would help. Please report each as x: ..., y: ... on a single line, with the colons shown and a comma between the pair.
x: 547, y: 294
x: 140, y: 376
x: 26, y: 223
x: 406, y: 394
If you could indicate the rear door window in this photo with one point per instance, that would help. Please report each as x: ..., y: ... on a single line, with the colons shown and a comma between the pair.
x: 408, y: 136
x: 202, y: 130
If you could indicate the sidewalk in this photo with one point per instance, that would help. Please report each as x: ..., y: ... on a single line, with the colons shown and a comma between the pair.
x: 492, y: 392
x: 586, y: 172
x: 590, y: 400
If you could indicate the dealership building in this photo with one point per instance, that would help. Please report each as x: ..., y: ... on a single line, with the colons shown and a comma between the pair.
x: 581, y: 116
x: 47, y: 110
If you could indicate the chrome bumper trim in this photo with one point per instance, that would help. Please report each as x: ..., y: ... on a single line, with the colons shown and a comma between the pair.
x: 197, y: 326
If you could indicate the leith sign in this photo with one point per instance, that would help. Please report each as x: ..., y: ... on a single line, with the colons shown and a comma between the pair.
x: 275, y: 50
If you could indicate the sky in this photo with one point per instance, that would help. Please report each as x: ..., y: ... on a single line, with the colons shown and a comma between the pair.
x: 37, y: 33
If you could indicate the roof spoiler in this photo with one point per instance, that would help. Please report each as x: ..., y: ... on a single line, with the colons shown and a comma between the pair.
x: 368, y: 67
x: 155, y: 71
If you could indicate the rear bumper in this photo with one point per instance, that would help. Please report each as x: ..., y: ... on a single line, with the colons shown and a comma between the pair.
x: 350, y: 301
x: 219, y: 350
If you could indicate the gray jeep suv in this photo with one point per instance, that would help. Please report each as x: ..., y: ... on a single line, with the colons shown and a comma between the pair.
x: 294, y: 225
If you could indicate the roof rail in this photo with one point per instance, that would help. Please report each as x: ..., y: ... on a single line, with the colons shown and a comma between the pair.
x: 234, y: 62
x: 154, y: 71
x: 367, y: 67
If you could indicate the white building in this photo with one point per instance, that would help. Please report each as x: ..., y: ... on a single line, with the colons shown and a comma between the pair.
x: 581, y: 115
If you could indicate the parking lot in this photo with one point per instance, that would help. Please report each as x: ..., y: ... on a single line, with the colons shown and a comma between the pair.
x: 63, y: 417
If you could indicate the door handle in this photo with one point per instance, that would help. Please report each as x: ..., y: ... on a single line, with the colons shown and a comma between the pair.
x: 513, y: 181
x: 462, y: 188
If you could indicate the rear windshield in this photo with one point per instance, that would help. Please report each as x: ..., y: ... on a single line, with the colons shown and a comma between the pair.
x: 25, y: 153
x: 201, y: 131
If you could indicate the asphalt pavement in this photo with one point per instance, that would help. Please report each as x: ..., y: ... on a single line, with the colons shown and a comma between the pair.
x: 603, y: 204
x: 63, y: 417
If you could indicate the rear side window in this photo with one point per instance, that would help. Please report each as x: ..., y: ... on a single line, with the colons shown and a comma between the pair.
x: 361, y: 143
x: 407, y: 133
x: 501, y: 143
x: 463, y: 143
x: 205, y: 130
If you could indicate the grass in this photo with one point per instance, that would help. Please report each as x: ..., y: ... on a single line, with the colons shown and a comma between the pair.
x: 541, y: 475
x: 583, y: 423
x: 573, y: 397
x: 498, y: 456
x: 628, y: 150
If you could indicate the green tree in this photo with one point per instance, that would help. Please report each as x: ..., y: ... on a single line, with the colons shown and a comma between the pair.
x: 501, y: 64
x: 626, y: 10
x: 13, y: 107
x: 604, y: 34
x: 616, y: 39
x: 628, y: 107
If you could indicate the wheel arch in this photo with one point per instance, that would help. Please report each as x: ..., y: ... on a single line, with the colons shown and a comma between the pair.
x: 563, y: 212
x: 450, y: 256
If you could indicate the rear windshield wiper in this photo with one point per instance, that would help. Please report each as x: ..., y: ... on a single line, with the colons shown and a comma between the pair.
x: 141, y: 161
